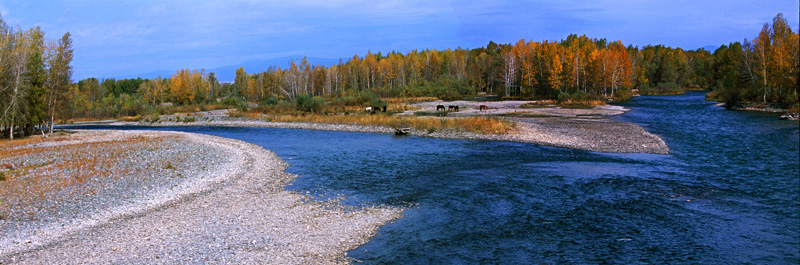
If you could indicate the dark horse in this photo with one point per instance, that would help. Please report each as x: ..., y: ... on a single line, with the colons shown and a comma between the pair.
x: 439, y: 107
x: 453, y: 108
x: 484, y: 107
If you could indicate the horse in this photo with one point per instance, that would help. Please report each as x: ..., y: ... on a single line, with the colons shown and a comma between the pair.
x: 452, y: 107
x: 484, y: 107
x: 439, y: 107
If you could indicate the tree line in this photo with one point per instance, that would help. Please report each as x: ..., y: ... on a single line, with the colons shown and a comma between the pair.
x: 35, y: 75
x: 526, y: 69
x: 764, y: 69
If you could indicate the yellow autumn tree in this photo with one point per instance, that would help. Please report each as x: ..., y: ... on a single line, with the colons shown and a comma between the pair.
x: 180, y: 87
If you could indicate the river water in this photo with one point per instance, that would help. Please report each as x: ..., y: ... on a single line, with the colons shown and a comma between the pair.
x: 728, y: 193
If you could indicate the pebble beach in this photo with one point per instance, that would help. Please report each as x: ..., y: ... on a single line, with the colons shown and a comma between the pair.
x: 583, y: 129
x: 166, y: 198
x: 171, y: 197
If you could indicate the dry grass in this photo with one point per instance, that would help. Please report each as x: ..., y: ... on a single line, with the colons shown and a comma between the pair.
x: 62, y: 171
x: 407, y: 100
x: 194, y: 108
x: 131, y: 118
x: 539, y: 104
x: 581, y: 104
x: 482, y: 125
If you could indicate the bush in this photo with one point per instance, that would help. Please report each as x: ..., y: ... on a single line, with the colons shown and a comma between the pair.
x: 269, y: 101
x: 153, y: 117
x: 622, y: 95
x: 307, y: 103
x: 661, y: 89
x: 376, y: 102
x: 236, y: 102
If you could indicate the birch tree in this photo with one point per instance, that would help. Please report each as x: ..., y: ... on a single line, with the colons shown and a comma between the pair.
x: 59, y: 75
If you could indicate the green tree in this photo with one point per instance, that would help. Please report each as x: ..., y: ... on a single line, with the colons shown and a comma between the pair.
x: 59, y: 79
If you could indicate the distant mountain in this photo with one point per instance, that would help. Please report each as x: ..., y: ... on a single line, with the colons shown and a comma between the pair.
x: 148, y: 75
x: 228, y: 73
x: 711, y: 48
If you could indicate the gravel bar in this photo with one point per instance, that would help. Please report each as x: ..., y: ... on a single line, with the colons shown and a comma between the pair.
x: 216, y: 200
x: 590, y: 130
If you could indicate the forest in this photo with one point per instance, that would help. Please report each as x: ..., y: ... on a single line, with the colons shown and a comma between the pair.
x: 35, y: 78
x: 36, y: 89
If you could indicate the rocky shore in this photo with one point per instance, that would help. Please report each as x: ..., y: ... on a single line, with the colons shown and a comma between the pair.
x: 165, y: 197
x: 584, y: 129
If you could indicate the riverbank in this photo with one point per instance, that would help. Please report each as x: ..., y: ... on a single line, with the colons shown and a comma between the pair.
x: 583, y: 129
x: 165, y: 197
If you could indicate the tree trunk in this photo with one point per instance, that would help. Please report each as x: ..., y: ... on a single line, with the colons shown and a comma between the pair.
x: 11, y: 128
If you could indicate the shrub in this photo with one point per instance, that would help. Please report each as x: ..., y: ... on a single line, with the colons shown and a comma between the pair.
x: 376, y: 102
x: 230, y: 101
x: 307, y: 103
x: 236, y: 114
x: 661, y: 89
x: 153, y: 117
x: 269, y: 101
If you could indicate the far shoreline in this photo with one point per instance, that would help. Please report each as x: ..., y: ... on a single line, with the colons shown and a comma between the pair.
x: 589, y: 132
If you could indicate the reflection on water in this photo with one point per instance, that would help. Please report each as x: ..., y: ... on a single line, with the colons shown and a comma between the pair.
x: 728, y: 193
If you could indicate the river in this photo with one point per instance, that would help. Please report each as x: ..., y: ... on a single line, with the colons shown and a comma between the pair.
x: 728, y: 193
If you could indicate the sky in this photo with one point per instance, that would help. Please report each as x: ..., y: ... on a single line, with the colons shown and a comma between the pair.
x: 122, y: 38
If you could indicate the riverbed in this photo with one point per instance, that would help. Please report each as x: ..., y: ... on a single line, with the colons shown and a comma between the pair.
x: 727, y: 193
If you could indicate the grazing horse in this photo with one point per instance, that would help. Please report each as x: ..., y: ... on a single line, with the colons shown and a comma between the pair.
x: 371, y: 110
x: 376, y: 109
x: 452, y: 107
x: 439, y: 107
x: 484, y: 107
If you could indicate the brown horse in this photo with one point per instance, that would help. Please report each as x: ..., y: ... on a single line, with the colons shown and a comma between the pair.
x: 452, y: 107
x: 439, y: 107
x: 484, y: 107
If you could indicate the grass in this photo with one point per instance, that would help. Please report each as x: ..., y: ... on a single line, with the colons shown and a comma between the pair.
x: 581, y: 104
x: 430, y: 121
x: 664, y: 90
x: 131, y: 118
x: 482, y: 125
x: 63, y: 172
x: 539, y: 104
x: 408, y: 100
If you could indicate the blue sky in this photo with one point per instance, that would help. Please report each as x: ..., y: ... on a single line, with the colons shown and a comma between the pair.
x: 118, y: 38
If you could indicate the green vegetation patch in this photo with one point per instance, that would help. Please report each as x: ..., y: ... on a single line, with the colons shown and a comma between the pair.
x: 576, y: 106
